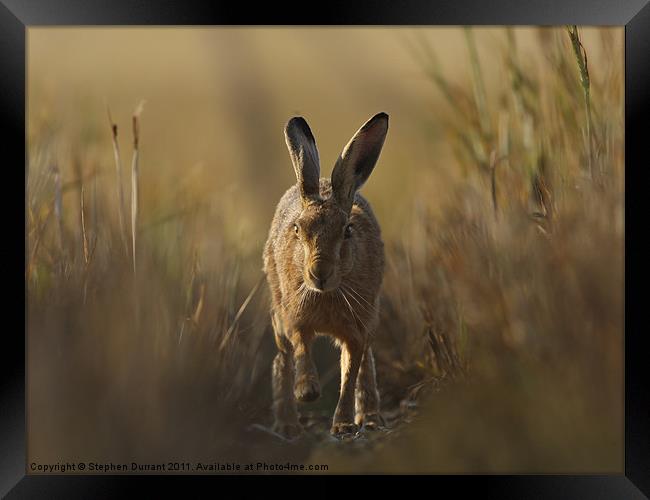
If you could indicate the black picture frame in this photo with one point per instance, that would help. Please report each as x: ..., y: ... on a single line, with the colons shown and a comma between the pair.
x: 17, y: 15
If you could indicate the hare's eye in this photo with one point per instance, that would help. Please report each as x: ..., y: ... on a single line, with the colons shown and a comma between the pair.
x: 348, y: 231
x: 296, y: 229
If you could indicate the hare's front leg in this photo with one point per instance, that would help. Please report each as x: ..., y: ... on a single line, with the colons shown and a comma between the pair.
x: 351, y: 354
x: 307, y: 387
x: 366, y: 395
x: 285, y: 411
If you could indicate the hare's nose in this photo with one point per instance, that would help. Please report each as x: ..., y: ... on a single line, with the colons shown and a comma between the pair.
x: 320, y: 276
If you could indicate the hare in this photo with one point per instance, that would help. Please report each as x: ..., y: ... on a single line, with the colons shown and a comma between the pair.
x: 324, y: 263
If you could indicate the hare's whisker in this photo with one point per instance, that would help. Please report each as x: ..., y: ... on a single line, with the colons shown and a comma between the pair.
x: 293, y: 295
x: 306, y: 294
x: 340, y: 292
x: 354, y: 316
x: 361, y: 297
x: 299, y: 291
x: 349, y: 287
x: 365, y: 309
x: 301, y: 297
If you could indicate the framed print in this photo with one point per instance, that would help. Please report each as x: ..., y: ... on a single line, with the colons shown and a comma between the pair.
x: 384, y: 240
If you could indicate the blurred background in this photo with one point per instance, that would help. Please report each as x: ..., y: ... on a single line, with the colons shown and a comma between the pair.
x: 500, y: 195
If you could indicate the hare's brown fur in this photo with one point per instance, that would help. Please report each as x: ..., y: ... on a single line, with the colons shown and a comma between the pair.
x: 324, y: 261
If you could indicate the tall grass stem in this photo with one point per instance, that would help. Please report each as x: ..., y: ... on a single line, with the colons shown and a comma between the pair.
x: 583, y: 68
x: 118, y: 175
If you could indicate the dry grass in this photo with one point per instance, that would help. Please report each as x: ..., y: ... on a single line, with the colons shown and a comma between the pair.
x: 500, y: 348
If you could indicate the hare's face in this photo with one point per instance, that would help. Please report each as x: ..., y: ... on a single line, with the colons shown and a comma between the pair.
x: 324, y: 234
x: 323, y: 228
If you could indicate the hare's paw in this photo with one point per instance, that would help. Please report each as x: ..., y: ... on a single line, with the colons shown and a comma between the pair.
x: 371, y: 421
x: 342, y: 428
x: 307, y: 389
x: 288, y: 430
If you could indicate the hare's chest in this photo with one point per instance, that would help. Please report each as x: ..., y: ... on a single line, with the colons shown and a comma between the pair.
x: 331, y: 314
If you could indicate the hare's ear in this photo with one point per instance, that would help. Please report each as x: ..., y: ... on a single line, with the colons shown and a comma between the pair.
x: 304, y: 156
x: 357, y: 160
